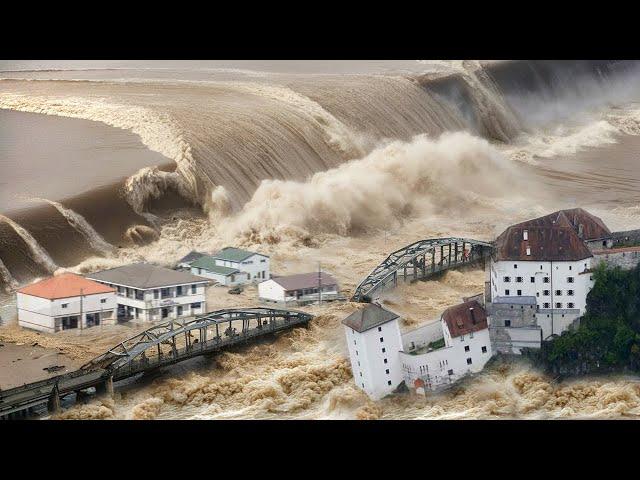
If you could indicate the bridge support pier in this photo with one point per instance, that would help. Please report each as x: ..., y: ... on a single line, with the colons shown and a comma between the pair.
x: 106, y: 387
x: 53, y: 405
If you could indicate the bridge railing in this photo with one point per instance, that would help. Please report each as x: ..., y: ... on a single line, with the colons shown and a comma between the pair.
x: 418, y: 261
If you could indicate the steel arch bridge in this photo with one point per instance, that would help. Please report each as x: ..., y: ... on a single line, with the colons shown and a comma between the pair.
x: 177, y: 340
x: 167, y: 343
x: 419, y: 261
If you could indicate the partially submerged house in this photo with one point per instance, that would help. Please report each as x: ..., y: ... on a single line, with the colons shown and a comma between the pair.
x: 148, y: 292
x: 427, y: 358
x: 299, y: 289
x: 64, y: 302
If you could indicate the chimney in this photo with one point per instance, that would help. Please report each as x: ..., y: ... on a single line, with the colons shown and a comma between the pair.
x: 473, y: 317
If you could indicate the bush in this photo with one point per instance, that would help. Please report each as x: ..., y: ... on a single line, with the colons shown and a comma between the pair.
x: 608, y: 337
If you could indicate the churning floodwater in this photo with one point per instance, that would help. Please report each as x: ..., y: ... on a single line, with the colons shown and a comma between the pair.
x: 308, y: 162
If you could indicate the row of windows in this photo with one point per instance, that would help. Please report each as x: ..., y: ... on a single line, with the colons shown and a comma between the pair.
x: 515, y: 266
x: 545, y: 293
x: 558, y: 305
x: 66, y: 305
x: 533, y: 279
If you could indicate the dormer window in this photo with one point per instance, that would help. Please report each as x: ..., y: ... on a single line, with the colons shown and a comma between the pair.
x: 525, y: 235
x: 528, y: 251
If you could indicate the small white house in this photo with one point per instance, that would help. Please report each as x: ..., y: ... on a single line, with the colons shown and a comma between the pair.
x: 301, y: 288
x: 373, y: 339
x: 232, y: 266
x: 65, y: 302
x: 148, y: 292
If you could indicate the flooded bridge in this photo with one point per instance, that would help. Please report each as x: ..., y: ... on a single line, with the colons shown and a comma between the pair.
x: 161, y: 345
x: 419, y: 261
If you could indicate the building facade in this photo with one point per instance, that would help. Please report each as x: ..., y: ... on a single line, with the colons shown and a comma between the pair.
x: 547, y: 259
x: 148, y: 293
x: 64, y: 302
x: 233, y: 266
x: 373, y: 339
x: 438, y: 354
x: 299, y: 289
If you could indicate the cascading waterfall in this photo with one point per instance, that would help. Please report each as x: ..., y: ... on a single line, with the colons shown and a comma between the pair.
x: 39, y: 254
x: 7, y: 279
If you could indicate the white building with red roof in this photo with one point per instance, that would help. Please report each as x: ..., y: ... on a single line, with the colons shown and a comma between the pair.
x: 65, y: 302
x: 427, y: 358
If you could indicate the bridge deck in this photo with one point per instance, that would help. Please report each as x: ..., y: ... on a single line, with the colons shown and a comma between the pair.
x: 176, y: 343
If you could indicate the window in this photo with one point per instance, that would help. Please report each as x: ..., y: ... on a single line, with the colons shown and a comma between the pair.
x: 558, y: 305
x: 450, y: 372
x: 559, y: 293
x: 363, y: 385
x: 518, y: 279
x: 156, y: 294
x: 525, y: 235
x: 195, y: 306
x: 180, y: 310
x: 545, y: 280
x: 356, y: 353
x: 545, y: 305
x: 469, y: 361
x: 64, y: 305
x: 384, y: 350
x: 466, y: 348
x: 506, y: 279
x: 569, y: 279
x: 387, y: 371
x: 194, y: 289
x: 570, y: 267
x: 484, y: 349
x: 533, y: 279
x: 179, y: 291
x: 360, y: 373
x: 515, y: 265
x: 506, y: 292
x: 354, y: 342
x: 570, y: 305
x: 570, y: 292
x: 546, y: 293
x: 528, y: 251
x: 381, y: 339
x: 519, y: 292
x: 389, y: 383
x: 379, y: 329
x: 507, y: 323
x: 103, y: 300
x: 385, y: 361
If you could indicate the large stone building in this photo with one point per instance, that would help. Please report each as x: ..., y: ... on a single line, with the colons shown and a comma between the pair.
x: 540, y: 275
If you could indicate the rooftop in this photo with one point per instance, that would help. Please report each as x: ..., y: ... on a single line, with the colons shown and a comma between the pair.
x: 521, y: 300
x: 606, y: 251
x: 145, y: 275
x: 190, y: 257
x: 369, y: 317
x: 304, y: 280
x: 65, y: 286
x: 208, y: 263
x: 559, y: 236
x: 232, y: 254
x: 465, y: 318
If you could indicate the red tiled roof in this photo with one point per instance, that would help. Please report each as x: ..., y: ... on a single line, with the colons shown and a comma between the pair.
x: 461, y: 320
x: 553, y: 237
x: 65, y: 286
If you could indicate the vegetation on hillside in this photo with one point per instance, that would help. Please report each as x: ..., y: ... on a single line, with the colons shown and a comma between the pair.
x: 608, y: 337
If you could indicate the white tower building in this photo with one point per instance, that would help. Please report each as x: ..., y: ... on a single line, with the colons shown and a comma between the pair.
x: 373, y: 337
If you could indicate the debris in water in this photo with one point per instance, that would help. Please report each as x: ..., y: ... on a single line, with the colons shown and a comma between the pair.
x: 54, y: 368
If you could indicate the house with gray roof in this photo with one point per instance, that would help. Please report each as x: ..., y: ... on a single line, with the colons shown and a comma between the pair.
x: 148, y: 292
x: 299, y: 289
x: 232, y: 266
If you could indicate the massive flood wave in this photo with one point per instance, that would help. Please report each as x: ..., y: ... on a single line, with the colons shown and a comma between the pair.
x: 312, y: 167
